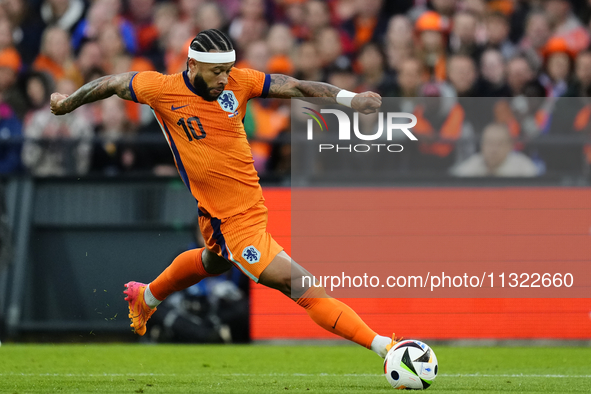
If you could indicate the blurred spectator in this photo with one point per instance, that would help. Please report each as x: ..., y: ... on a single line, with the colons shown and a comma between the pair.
x: 16, y: 12
x: 566, y: 25
x: 517, y: 12
x: 231, y: 8
x: 557, y: 67
x: 308, y: 63
x: 65, y: 14
x: 57, y: 145
x: 396, y: 55
x: 398, y: 42
x: 478, y: 8
x: 139, y: 14
x: 38, y: 88
x: 537, y: 33
x: 178, y: 41
x: 210, y: 16
x: 521, y: 79
x: 295, y: 16
x: 89, y: 60
x: 10, y: 64
x: 445, y: 8
x: 462, y: 75
x: 103, y: 13
x: 25, y: 30
x: 341, y: 74
x: 497, y: 29
x: 166, y: 16
x: 250, y: 26
x: 431, y: 29
x: 410, y: 78
x: 374, y: 76
x: 440, y: 117
x: 492, y: 69
x: 280, y: 43
x: 267, y: 120
x: 6, y: 40
x: 116, y: 57
x: 117, y: 60
x: 369, y: 24
x: 463, y: 38
x: 40, y: 15
x: 400, y: 32
x: 256, y: 56
x: 345, y: 9
x: 10, y: 146
x: 115, y: 152
x: 329, y: 46
x: 496, y: 157
x: 264, y: 119
x: 582, y: 85
x: 316, y: 17
x: 188, y: 8
x: 56, y: 58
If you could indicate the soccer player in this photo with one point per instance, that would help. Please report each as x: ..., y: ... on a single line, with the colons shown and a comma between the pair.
x: 200, y: 112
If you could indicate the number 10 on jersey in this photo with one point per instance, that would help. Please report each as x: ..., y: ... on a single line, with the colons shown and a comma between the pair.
x: 192, y: 134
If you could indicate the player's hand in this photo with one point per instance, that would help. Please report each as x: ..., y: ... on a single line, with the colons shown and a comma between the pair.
x: 367, y: 102
x: 57, y: 104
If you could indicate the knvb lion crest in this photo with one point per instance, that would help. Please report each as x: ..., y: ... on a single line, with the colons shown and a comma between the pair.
x: 251, y: 254
x: 228, y: 101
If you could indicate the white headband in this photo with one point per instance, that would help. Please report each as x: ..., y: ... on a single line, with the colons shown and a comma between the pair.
x: 213, y: 57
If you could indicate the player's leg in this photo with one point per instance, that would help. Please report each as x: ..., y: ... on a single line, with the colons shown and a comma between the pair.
x: 187, y: 269
x: 285, y: 275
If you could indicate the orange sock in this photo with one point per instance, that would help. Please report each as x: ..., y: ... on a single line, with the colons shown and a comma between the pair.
x: 185, y: 271
x: 336, y: 317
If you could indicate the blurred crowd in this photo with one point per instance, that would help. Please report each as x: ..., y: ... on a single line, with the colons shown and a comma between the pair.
x: 402, y: 48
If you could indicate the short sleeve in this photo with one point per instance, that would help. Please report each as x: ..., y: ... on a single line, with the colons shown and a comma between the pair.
x: 257, y: 82
x: 146, y: 86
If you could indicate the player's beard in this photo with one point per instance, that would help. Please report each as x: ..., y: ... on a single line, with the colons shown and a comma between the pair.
x: 202, y: 89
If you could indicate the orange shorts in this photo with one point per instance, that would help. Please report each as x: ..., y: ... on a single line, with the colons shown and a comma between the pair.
x: 241, y: 239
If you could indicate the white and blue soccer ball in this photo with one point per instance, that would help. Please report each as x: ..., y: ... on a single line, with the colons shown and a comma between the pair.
x: 410, y: 365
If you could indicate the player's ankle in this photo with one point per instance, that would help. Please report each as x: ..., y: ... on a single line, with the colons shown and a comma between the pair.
x: 149, y: 298
x: 378, y: 345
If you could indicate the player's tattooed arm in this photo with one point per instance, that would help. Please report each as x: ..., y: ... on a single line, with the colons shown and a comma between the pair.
x: 98, y: 89
x: 283, y: 86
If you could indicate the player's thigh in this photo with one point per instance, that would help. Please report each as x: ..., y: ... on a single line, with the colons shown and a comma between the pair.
x: 241, y: 239
x: 286, y: 275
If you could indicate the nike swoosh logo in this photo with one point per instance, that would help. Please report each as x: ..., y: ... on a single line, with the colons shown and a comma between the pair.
x: 335, y: 323
x: 175, y: 108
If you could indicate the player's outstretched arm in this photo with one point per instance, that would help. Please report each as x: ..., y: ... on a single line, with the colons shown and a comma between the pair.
x: 283, y: 86
x: 98, y: 89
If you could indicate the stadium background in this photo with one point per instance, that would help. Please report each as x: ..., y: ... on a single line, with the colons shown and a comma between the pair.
x: 55, y: 170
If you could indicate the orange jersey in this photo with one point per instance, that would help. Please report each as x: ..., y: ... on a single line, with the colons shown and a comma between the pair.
x: 207, y: 139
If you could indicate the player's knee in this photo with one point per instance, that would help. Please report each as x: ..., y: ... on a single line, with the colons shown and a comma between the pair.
x: 311, y: 296
x: 214, y: 264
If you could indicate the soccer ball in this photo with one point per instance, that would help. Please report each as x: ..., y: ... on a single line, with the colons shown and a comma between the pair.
x: 410, y: 365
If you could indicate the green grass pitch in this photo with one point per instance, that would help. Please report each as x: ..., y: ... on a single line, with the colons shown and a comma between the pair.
x: 279, y: 369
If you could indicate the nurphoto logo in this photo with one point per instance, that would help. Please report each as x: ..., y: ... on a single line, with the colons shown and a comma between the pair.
x: 391, y: 120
